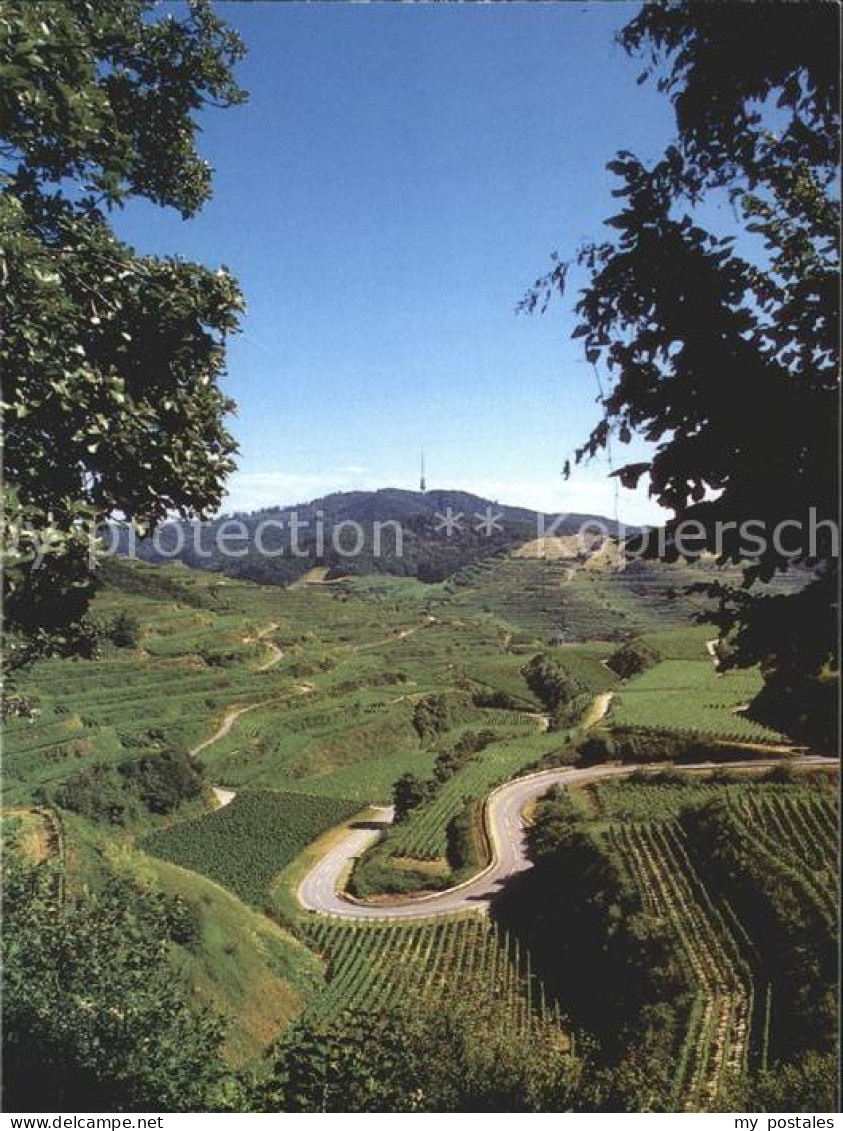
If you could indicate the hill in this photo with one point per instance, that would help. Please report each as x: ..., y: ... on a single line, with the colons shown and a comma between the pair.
x: 357, y: 532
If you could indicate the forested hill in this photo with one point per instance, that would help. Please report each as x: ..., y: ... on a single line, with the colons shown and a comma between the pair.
x: 430, y: 549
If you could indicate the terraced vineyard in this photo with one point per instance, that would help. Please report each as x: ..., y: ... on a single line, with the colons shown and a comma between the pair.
x: 329, y: 727
x: 804, y: 828
x: 692, y: 697
x: 716, y: 1047
x: 424, y: 834
x: 735, y: 1013
x: 374, y: 965
x: 799, y: 833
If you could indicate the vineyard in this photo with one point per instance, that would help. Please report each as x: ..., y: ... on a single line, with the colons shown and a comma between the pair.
x: 542, y: 596
x: 374, y: 965
x: 334, y: 722
x: 716, y: 1045
x: 246, y: 844
x: 736, y: 1011
x: 801, y: 828
x: 692, y: 697
x: 424, y: 834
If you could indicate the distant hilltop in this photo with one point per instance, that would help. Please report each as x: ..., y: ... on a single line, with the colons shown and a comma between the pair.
x: 396, y: 504
x: 429, y: 535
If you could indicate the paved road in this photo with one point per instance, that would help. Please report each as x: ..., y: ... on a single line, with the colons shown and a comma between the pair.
x: 320, y: 891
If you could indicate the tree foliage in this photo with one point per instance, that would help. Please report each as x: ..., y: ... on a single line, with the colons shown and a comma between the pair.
x: 721, y: 350
x: 428, y: 1058
x: 111, y: 358
x: 550, y: 682
x: 93, y: 1018
x: 408, y: 792
x: 632, y: 658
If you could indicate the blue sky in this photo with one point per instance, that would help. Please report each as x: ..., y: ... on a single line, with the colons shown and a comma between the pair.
x: 398, y: 178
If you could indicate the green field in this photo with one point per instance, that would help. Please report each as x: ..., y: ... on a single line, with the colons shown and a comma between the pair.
x: 689, y: 696
x: 246, y: 844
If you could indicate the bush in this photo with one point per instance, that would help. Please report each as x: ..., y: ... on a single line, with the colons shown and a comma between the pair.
x: 464, y: 843
x: 99, y: 794
x: 123, y: 630
x: 498, y: 701
x: 596, y: 748
x: 116, y: 795
x: 431, y: 716
x: 182, y: 920
x: 163, y: 781
x: 550, y: 682
x: 420, y: 1058
x: 408, y: 793
x: 376, y: 874
x: 95, y: 1017
x: 634, y: 657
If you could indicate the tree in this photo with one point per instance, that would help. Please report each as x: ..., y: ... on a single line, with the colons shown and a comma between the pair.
x: 726, y: 359
x: 93, y: 1018
x: 633, y: 657
x: 460, y: 1055
x: 408, y: 792
x: 111, y: 359
x: 549, y: 682
x: 124, y: 630
x: 431, y: 716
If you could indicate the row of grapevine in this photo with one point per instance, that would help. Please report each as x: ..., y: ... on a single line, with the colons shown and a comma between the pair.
x: 372, y: 965
x: 804, y: 826
x: 717, y: 1038
x: 246, y: 844
x: 692, y: 697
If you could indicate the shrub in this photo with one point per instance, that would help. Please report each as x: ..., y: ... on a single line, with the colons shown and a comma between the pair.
x: 408, y: 793
x: 596, y: 748
x: 632, y: 658
x: 163, y: 781
x: 123, y: 630
x: 116, y: 795
x: 550, y: 682
x: 464, y: 844
x: 431, y: 716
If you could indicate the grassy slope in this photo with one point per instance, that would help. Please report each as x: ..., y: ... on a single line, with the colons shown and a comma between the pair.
x: 243, y: 965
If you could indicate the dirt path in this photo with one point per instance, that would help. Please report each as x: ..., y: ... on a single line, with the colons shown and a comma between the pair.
x: 598, y: 710
x: 226, y: 796
x: 229, y: 719
x: 276, y: 656
x: 711, y: 648
x: 402, y: 635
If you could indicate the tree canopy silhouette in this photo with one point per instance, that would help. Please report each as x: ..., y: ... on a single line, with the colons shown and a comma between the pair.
x: 111, y: 359
x: 720, y: 348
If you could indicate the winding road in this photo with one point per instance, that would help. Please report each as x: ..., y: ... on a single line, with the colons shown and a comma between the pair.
x: 321, y: 889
